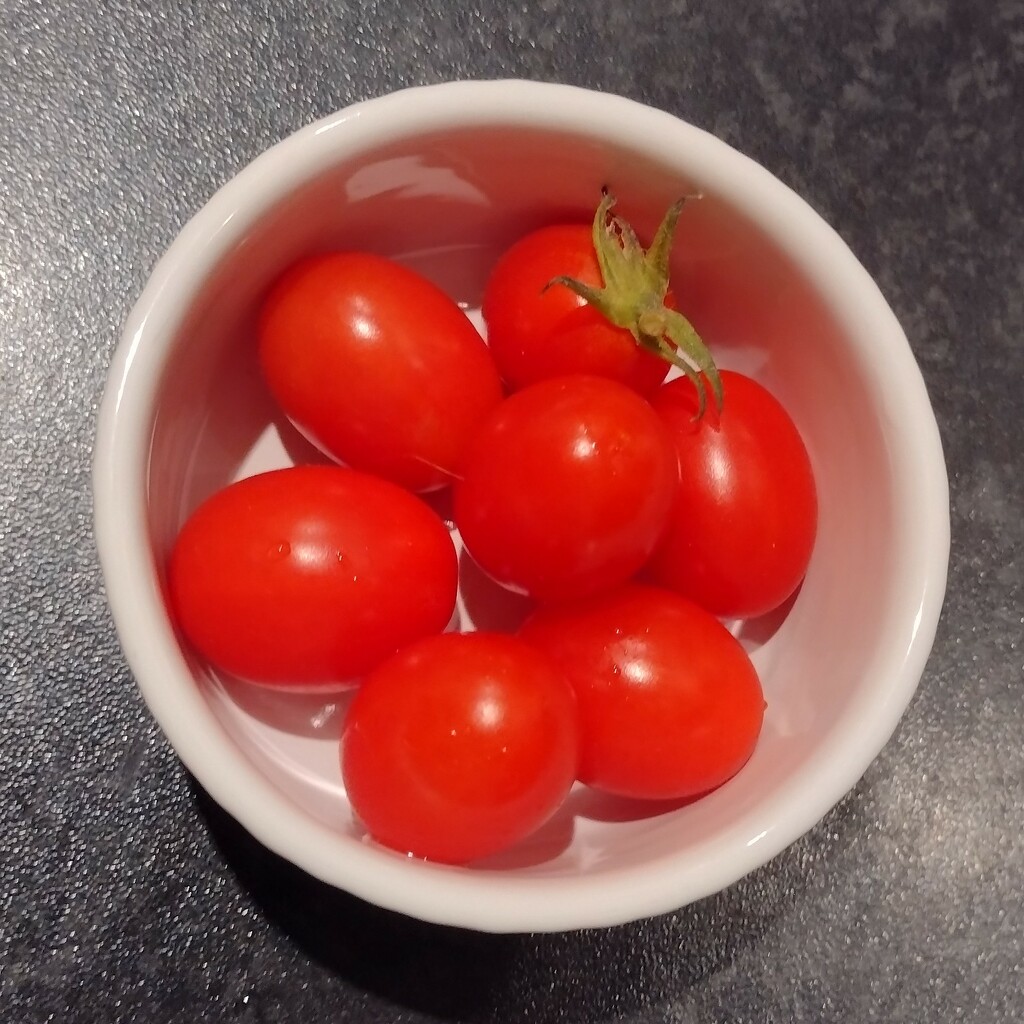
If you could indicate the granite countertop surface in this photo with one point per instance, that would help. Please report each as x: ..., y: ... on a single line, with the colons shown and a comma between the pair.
x: 125, y: 893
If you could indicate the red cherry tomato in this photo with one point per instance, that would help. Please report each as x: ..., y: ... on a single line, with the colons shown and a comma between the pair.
x: 310, y: 576
x: 460, y: 746
x: 567, y: 487
x: 744, y: 523
x: 376, y: 366
x: 537, y: 332
x: 670, y: 704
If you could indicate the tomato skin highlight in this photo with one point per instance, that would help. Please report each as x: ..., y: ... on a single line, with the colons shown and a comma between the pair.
x: 310, y: 576
x: 460, y: 746
x: 567, y: 488
x: 670, y: 703
x: 376, y: 366
x: 536, y: 332
x: 743, y: 527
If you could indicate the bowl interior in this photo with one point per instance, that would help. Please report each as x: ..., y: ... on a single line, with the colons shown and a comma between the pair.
x: 447, y: 202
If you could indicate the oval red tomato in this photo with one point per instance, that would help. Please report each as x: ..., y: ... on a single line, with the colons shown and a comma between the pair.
x: 310, y: 576
x: 744, y: 523
x: 670, y: 704
x: 567, y: 488
x: 460, y: 746
x: 376, y: 366
x: 537, y: 332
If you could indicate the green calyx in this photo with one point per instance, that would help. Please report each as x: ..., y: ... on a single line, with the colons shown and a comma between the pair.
x: 635, y: 283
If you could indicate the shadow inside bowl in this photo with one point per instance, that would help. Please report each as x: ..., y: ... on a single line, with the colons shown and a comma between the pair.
x: 594, y: 805
x: 299, y: 451
x: 755, y: 633
x: 312, y: 715
x: 487, y: 604
x: 554, y: 837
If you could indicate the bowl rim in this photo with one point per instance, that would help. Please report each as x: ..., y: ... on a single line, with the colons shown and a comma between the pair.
x: 435, y: 892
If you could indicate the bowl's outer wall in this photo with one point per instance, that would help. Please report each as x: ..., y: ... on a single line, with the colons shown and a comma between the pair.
x: 768, y: 283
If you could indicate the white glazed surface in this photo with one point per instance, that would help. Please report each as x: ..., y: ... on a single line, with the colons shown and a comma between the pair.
x: 444, y: 177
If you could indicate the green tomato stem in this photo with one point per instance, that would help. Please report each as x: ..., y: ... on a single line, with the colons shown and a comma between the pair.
x: 632, y: 296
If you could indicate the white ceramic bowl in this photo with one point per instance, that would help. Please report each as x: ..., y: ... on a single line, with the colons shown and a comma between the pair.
x: 444, y: 177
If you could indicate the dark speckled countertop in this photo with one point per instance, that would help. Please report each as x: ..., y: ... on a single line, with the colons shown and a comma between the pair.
x: 125, y: 894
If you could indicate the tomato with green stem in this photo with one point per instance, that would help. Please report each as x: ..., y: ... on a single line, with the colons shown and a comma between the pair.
x: 573, y: 298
